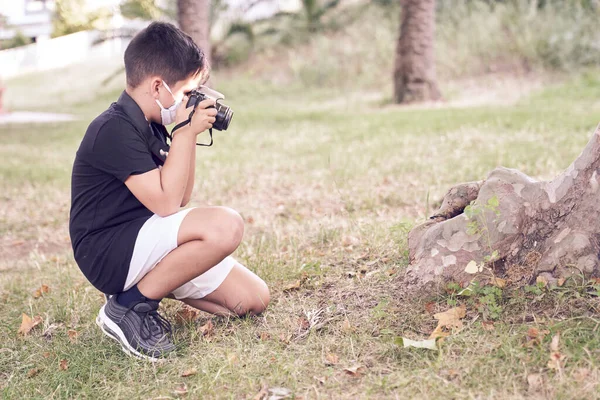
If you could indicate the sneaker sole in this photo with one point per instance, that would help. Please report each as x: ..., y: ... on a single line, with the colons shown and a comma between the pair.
x: 112, y: 330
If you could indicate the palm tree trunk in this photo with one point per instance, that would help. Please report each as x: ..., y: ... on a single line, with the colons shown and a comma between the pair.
x: 194, y: 19
x: 414, y: 72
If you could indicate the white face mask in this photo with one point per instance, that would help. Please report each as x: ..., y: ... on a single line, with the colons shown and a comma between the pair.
x: 167, y: 115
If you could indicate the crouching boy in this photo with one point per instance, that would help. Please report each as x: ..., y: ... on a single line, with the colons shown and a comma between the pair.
x: 129, y: 236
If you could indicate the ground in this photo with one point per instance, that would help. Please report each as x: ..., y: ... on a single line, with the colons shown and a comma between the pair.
x: 329, y: 183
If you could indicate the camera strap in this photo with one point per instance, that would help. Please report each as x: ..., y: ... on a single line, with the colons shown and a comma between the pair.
x: 189, y: 121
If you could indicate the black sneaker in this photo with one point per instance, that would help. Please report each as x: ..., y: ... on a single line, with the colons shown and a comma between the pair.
x: 139, y: 328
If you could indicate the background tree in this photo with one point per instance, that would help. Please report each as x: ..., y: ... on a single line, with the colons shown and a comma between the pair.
x: 194, y: 19
x: 414, y: 72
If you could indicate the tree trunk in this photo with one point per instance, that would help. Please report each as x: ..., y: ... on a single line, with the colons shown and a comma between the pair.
x: 414, y: 72
x: 517, y: 229
x: 194, y: 19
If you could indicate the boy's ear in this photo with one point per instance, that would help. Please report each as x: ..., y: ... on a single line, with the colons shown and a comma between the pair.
x: 155, y: 82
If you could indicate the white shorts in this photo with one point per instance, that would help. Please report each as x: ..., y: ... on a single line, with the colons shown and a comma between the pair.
x: 156, y: 239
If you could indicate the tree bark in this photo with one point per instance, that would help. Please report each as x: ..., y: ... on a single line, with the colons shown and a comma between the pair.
x: 194, y: 19
x: 414, y: 72
x: 526, y: 229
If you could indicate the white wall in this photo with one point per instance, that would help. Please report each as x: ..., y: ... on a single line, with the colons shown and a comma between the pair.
x: 58, y: 52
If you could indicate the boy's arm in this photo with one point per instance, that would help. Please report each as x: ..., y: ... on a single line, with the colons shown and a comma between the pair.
x: 190, y: 182
x: 163, y: 190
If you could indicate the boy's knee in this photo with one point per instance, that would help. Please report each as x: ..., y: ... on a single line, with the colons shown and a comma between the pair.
x: 257, y: 302
x: 230, y: 231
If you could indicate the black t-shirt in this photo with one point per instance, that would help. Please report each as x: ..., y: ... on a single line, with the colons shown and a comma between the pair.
x: 105, y: 216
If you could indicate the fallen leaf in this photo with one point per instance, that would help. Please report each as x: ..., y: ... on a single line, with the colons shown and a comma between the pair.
x: 232, y: 359
x: 346, y: 326
x: 51, y: 329
x: 208, y: 329
x: 556, y: 358
x: 420, y: 344
x: 499, y: 282
x: 33, y: 372
x: 450, y: 320
x: 40, y: 291
x: 355, y: 371
x: 473, y: 268
x: 279, y: 393
x: 63, y: 365
x: 189, y: 372
x: 264, y: 336
x: 429, y: 307
x: 180, y: 390
x: 293, y: 286
x: 285, y: 338
x: 488, y: 325
x: 331, y: 359
x: 541, y: 281
x: 262, y: 394
x: 186, y: 315
x: 561, y: 281
x: 27, y: 324
x: 46, y: 354
x: 73, y: 334
x: 303, y: 323
x: 250, y: 220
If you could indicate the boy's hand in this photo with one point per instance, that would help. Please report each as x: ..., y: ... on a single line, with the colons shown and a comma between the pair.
x: 202, y: 119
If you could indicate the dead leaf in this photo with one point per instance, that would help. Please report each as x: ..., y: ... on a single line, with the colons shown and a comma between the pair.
x: 63, y: 365
x: 561, y: 281
x: 499, y: 282
x: 541, y: 281
x: 279, y: 393
x: 189, y: 372
x: 331, y: 359
x: 346, y: 326
x: 180, y: 389
x: 33, y: 372
x: 186, y: 315
x: 51, y: 329
x: 285, y: 338
x: 420, y: 344
x: 208, y: 329
x: 355, y: 371
x: 488, y: 325
x: 46, y: 354
x: 535, y: 336
x: 73, y: 334
x: 449, y: 320
x: 40, y: 291
x: 250, y: 220
x: 429, y: 307
x: 262, y: 394
x: 27, y: 324
x: 232, y: 359
x: 556, y: 358
x: 294, y: 286
x: 303, y: 323
x: 264, y: 336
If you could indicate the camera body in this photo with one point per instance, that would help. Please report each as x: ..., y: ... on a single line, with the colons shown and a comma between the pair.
x: 224, y: 113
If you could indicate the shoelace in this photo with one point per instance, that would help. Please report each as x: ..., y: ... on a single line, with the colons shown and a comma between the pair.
x: 154, y: 323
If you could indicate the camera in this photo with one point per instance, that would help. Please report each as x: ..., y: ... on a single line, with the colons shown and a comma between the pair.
x: 224, y: 113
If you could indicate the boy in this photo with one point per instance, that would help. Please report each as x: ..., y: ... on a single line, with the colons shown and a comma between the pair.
x: 129, y: 237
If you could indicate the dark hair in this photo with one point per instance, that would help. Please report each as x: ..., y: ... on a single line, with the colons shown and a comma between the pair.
x: 164, y: 50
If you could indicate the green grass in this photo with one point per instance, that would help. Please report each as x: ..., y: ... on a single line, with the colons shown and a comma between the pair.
x: 329, y: 182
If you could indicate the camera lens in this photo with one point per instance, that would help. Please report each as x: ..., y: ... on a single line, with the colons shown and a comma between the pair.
x: 223, y: 118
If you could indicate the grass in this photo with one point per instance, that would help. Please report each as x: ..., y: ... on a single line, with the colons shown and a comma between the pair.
x: 329, y: 182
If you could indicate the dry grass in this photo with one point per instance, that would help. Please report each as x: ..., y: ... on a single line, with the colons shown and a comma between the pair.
x: 328, y: 194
